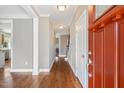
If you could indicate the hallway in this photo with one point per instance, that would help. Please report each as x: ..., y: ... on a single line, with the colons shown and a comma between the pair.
x: 60, y: 76
x: 89, y: 36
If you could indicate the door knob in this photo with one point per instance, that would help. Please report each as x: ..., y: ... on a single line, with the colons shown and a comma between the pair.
x: 89, y: 52
x: 90, y: 75
x: 90, y: 62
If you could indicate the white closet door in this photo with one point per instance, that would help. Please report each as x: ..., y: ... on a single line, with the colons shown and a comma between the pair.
x: 82, y: 49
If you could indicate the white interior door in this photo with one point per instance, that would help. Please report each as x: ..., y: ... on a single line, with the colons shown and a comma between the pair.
x: 82, y: 49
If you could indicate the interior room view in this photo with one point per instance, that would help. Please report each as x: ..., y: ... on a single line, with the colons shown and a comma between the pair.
x: 61, y: 46
x: 5, y: 43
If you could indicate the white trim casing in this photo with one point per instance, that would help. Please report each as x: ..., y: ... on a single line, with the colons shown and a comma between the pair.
x: 48, y: 70
x: 11, y: 44
x: 52, y: 63
x: 44, y: 70
x: 30, y: 11
x: 62, y: 55
x: 33, y: 13
x: 45, y: 15
x: 35, y: 47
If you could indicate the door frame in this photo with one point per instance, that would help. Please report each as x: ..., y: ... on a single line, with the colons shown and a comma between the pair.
x: 35, y: 68
x: 11, y: 40
x: 11, y: 44
x: 76, y: 53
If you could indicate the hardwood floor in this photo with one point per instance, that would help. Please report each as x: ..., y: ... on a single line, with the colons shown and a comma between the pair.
x: 60, y: 76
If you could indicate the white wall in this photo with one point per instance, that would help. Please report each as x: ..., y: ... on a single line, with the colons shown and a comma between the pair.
x: 12, y: 11
x: 63, y: 43
x: 22, y: 44
x: 52, y: 44
x: 72, y: 50
x: 22, y: 36
x: 46, y: 43
x: 72, y: 54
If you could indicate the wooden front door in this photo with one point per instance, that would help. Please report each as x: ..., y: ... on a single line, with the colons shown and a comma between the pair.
x: 107, y: 47
x: 121, y: 53
x: 109, y: 56
x: 82, y: 49
x: 98, y: 58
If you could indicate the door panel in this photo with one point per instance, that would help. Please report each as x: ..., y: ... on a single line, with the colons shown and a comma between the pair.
x: 98, y: 59
x: 113, y: 47
x: 121, y: 54
x: 109, y: 56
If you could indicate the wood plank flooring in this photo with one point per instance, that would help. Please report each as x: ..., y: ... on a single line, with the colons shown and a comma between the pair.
x: 60, y: 76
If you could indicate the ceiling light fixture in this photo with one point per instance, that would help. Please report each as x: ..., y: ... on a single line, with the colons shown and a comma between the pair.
x: 61, y: 7
x: 61, y: 27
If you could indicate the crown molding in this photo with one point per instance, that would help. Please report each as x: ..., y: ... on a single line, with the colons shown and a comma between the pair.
x: 45, y: 15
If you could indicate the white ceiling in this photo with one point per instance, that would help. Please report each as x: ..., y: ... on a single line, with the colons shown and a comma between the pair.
x: 58, y: 17
x: 12, y: 11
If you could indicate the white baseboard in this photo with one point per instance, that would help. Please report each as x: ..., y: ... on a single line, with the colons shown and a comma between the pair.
x: 52, y: 62
x: 21, y: 70
x: 48, y: 70
x: 72, y: 69
x: 44, y: 70
x: 66, y: 59
x: 62, y: 55
x: 28, y: 70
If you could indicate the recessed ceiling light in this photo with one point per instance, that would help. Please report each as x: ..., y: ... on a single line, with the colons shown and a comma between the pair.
x: 61, y: 7
x: 61, y: 27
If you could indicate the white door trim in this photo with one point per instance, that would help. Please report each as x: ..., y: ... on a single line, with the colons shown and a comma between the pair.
x: 76, y: 53
x: 35, y: 70
x: 11, y: 44
x: 11, y: 22
x: 33, y: 13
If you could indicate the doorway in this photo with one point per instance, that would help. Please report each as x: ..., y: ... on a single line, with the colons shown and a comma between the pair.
x: 6, y: 27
